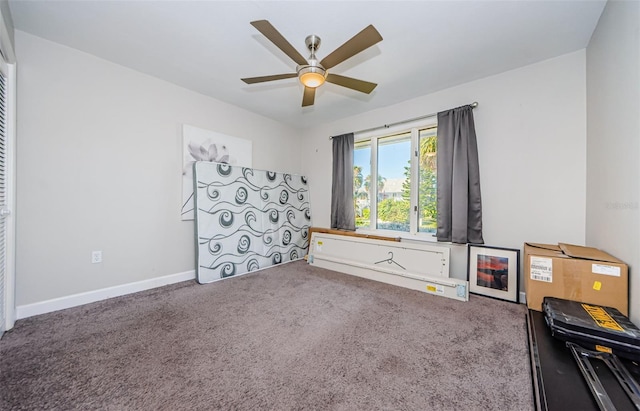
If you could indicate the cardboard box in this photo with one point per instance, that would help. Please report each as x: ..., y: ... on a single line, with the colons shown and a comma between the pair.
x: 575, y: 273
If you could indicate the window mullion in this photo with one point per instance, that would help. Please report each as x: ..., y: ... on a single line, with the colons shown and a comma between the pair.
x: 413, y: 195
x: 373, y: 189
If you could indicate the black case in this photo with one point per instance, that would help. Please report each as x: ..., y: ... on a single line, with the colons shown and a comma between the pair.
x: 592, y: 326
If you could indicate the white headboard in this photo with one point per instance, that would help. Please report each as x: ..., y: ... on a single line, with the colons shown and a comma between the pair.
x: 422, y: 267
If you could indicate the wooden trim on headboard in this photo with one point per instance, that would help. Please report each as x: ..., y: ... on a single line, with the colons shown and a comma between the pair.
x: 350, y: 234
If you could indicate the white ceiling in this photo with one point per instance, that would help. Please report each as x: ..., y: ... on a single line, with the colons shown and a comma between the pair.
x: 207, y: 46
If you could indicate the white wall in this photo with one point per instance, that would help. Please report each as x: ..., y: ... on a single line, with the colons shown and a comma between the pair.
x: 99, y: 168
x: 531, y: 127
x: 613, y: 139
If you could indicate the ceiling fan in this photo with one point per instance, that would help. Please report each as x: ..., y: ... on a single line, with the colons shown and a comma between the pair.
x: 313, y: 73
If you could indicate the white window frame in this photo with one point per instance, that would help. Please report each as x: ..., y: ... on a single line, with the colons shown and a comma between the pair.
x: 373, y: 136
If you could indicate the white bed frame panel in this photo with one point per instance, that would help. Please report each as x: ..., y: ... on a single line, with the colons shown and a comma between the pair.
x: 416, y: 266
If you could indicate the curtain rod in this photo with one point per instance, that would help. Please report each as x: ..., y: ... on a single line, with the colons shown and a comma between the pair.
x: 473, y: 105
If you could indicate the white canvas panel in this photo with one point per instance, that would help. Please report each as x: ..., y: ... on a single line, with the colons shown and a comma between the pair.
x: 205, y: 145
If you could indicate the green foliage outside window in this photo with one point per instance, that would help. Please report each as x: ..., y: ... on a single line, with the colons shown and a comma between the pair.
x: 393, y: 211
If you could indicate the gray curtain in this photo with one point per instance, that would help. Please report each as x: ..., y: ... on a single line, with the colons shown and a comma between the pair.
x: 459, y: 203
x: 343, y: 216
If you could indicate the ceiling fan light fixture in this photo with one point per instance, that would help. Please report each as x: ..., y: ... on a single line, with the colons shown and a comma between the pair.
x: 312, y: 76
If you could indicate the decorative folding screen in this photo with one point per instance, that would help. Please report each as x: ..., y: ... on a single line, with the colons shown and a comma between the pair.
x: 247, y: 219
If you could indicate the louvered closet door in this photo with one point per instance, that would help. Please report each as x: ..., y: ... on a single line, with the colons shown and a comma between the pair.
x: 4, y: 210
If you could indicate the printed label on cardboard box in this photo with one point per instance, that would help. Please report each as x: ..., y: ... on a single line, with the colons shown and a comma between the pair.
x: 541, y: 269
x: 605, y: 269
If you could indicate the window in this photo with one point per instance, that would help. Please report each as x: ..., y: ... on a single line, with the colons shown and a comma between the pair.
x: 427, y: 188
x: 394, y: 184
x: 362, y: 168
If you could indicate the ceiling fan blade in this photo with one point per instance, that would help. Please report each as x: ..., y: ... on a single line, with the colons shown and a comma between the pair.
x: 352, y: 83
x: 262, y: 79
x: 308, y: 96
x: 361, y: 41
x: 276, y: 38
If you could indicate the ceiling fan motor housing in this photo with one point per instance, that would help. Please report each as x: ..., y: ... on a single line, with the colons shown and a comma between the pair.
x: 313, y: 74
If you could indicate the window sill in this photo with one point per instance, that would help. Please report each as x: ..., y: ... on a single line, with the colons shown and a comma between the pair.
x: 420, y: 237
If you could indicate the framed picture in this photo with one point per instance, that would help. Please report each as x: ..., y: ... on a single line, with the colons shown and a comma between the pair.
x: 494, y: 272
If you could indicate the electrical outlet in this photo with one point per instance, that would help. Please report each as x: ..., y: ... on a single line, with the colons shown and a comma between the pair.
x: 96, y: 257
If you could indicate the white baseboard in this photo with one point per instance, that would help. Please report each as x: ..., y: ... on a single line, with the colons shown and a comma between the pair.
x: 523, y: 297
x: 43, y: 307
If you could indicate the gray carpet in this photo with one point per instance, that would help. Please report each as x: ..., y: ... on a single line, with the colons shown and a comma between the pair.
x: 294, y: 337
